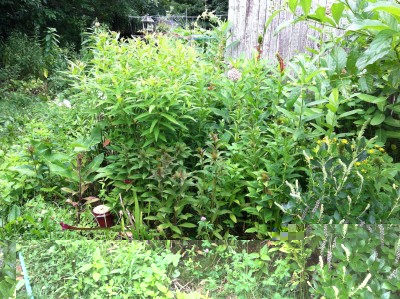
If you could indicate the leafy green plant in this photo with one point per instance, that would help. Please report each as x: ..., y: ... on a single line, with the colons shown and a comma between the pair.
x: 362, y: 257
x: 365, y: 58
x: 21, y: 57
x: 7, y: 268
x: 345, y: 172
x: 98, y: 268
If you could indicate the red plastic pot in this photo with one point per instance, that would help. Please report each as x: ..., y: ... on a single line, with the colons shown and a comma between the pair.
x: 103, y: 216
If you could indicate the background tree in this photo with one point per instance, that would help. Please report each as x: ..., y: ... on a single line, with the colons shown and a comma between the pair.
x: 70, y: 17
x: 195, y: 7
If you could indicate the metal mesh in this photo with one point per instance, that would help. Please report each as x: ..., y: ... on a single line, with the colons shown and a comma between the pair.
x: 175, y: 21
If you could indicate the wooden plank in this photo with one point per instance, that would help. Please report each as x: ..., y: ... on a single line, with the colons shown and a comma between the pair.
x: 262, y: 18
x: 249, y: 17
x: 231, y: 16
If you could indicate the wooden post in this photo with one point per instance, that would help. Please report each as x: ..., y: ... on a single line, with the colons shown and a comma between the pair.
x: 249, y: 17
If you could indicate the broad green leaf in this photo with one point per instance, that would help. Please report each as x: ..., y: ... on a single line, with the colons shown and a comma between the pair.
x: 97, y: 254
x: 340, y: 58
x: 377, y: 119
x: 14, y: 213
x: 315, y: 73
x: 395, y: 108
x: 392, y: 122
x: 94, y: 138
x: 333, y: 100
x: 293, y: 96
x: 387, y: 286
x: 379, y: 48
x: 94, y: 165
x: 142, y: 116
x: 156, y: 133
x: 372, y: 258
x: 313, y: 116
x: 271, y: 18
x: 96, y: 276
x: 24, y: 170
x: 392, y: 134
x: 394, y: 78
x: 331, y: 119
x: 388, y: 6
x: 233, y: 218
x: 161, y: 226
x: 176, y: 229
x: 306, y: 6
x: 366, y: 83
x: 337, y: 11
x: 68, y: 190
x: 348, y: 113
x: 293, y: 5
x: 367, y: 25
x: 251, y: 230
x: 371, y: 99
x: 382, y: 136
x: 167, y: 124
x: 331, y: 108
x: 63, y: 171
x: 163, y: 289
x: 187, y: 224
x: 173, y: 120
x: 85, y: 267
x: 320, y: 12
x: 153, y: 124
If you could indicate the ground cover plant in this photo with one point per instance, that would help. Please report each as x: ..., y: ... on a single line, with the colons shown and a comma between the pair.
x: 335, y: 261
x: 7, y: 269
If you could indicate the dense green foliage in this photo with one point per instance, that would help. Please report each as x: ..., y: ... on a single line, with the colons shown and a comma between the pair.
x: 7, y: 269
x: 364, y: 58
x: 183, y: 143
x: 72, y: 18
x: 335, y: 261
x: 162, y: 130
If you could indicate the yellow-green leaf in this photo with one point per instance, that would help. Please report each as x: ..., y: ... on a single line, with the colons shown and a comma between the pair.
x: 96, y: 276
x: 233, y: 218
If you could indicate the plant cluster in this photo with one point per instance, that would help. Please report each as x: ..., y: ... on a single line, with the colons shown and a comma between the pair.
x: 191, y: 138
x: 167, y: 134
x: 7, y: 269
x: 360, y: 62
x: 335, y: 261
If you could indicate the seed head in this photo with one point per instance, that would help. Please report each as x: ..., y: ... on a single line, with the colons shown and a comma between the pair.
x: 329, y: 259
x: 396, y: 260
x: 393, y: 274
x: 381, y: 234
x: 234, y: 74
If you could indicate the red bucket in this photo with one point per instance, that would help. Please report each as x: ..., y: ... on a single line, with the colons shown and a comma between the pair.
x: 103, y: 216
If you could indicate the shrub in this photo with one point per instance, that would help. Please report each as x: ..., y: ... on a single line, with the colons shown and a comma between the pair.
x: 21, y: 57
x: 348, y: 181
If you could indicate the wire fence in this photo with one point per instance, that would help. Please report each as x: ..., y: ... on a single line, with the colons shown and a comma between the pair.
x: 136, y: 23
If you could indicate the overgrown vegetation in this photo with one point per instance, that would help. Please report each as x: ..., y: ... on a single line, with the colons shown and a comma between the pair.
x: 181, y: 142
x: 162, y: 130
x: 335, y: 261
x: 7, y: 269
